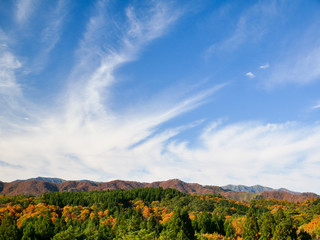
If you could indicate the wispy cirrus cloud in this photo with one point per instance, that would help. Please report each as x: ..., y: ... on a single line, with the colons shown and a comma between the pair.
x: 94, y: 72
x: 50, y: 35
x: 24, y: 9
x: 267, y: 154
x: 82, y: 135
x: 85, y: 135
x: 316, y: 106
x: 244, y: 29
x: 10, y: 90
x: 300, y: 68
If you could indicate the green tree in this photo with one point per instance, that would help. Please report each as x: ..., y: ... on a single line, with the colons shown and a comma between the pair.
x: 181, y: 222
x: 204, y: 223
x: 285, y: 230
x: 71, y: 233
x: 250, y: 228
x: 44, y: 228
x: 228, y: 229
x: 304, y: 235
x: 8, y: 229
x: 267, y: 227
x: 105, y: 233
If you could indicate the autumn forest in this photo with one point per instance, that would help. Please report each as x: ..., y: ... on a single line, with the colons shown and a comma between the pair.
x: 154, y: 213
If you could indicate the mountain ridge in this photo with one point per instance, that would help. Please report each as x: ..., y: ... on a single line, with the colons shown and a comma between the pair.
x: 255, y: 189
x: 40, y: 185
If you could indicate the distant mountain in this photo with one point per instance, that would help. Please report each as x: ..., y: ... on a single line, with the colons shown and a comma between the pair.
x: 250, y: 189
x: 40, y: 185
x: 286, y: 190
x: 255, y: 189
x: 45, y: 179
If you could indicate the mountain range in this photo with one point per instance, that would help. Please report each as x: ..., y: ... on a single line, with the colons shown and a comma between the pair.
x: 254, y: 189
x: 40, y: 185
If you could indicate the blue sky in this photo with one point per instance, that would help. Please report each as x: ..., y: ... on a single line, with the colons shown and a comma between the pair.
x: 214, y: 92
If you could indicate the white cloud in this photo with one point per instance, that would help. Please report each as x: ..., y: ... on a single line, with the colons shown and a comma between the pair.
x: 244, y: 31
x: 24, y: 9
x: 269, y: 154
x: 265, y: 66
x: 250, y: 75
x: 300, y: 68
x: 89, y: 140
x: 8, y: 64
x: 51, y: 34
x: 86, y: 138
x: 94, y: 72
x: 316, y: 106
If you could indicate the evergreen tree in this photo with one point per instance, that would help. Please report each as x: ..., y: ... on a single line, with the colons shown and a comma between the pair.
x: 250, y: 228
x: 279, y: 216
x: 204, y: 223
x: 304, y: 235
x: 285, y: 230
x: 267, y: 227
x: 181, y: 222
x: 8, y: 229
x: 29, y: 232
x: 105, y: 233
x: 44, y: 228
x: 218, y: 224
x: 229, y: 230
x: 74, y: 233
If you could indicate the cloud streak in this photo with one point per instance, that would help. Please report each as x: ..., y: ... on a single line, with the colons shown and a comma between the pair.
x: 301, y: 68
x: 265, y: 66
x: 248, y: 153
x: 81, y: 136
x: 24, y: 9
x: 85, y: 137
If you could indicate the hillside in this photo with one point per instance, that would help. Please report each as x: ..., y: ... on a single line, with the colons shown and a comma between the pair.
x: 38, y: 187
x: 44, y: 185
x: 255, y: 189
x: 251, y: 189
x: 45, y: 179
x: 154, y: 213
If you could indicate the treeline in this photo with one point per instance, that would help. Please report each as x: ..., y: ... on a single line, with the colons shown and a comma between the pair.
x: 154, y: 213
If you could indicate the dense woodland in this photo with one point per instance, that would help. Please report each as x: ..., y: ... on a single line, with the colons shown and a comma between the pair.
x: 154, y: 213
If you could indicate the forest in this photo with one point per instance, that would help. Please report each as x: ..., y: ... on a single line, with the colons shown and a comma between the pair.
x: 154, y: 213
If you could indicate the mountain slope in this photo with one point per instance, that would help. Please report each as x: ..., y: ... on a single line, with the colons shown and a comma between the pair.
x: 242, y: 188
x: 45, y: 179
x: 43, y: 185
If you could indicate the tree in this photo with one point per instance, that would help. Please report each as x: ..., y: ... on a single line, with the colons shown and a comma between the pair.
x: 251, y: 228
x: 44, y: 228
x: 71, y: 233
x: 204, y: 223
x: 229, y: 230
x: 303, y: 235
x: 8, y: 229
x: 267, y: 227
x: 285, y: 230
x: 181, y: 222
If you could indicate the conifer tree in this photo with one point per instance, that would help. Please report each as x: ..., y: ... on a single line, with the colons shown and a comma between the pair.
x: 8, y: 229
x: 267, y: 227
x: 251, y: 228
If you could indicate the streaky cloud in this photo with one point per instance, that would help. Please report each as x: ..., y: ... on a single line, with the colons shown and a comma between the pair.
x: 269, y: 154
x: 50, y: 35
x: 317, y: 106
x: 86, y: 133
x: 265, y: 66
x: 24, y: 9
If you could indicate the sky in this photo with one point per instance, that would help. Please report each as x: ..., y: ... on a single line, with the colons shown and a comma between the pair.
x: 213, y: 92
